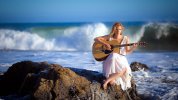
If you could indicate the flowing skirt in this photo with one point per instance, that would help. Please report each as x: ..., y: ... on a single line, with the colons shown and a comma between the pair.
x: 116, y: 63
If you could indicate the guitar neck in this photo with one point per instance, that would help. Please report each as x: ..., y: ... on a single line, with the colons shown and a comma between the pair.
x: 123, y: 45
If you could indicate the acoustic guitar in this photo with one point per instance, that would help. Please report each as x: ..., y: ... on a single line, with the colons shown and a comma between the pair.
x: 100, y: 52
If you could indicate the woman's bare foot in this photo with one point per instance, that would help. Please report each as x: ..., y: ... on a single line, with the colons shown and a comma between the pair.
x: 112, y: 82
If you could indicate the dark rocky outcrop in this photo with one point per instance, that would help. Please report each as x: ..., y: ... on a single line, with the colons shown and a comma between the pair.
x: 136, y: 66
x: 28, y: 80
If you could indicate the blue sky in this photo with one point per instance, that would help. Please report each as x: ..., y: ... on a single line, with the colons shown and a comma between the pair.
x: 87, y: 10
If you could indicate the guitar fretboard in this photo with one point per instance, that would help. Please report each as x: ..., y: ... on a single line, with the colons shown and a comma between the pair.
x: 130, y: 44
x: 123, y: 45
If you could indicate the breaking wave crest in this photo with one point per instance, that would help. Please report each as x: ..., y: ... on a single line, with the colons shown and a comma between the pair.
x: 80, y: 38
x: 72, y: 39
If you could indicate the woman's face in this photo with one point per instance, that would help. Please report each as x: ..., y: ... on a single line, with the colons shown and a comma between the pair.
x: 118, y: 30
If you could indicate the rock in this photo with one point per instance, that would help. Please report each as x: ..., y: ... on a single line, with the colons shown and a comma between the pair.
x: 136, y: 66
x: 1, y: 74
x: 28, y: 80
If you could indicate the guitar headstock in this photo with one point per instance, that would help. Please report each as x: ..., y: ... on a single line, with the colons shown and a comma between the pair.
x: 142, y: 44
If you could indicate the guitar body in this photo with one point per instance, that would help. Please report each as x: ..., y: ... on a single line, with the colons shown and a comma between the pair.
x: 100, y: 52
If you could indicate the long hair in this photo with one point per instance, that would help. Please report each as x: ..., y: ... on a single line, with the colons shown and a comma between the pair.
x: 114, y: 28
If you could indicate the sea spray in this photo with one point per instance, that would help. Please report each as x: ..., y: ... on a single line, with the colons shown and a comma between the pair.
x: 79, y: 37
x: 72, y: 39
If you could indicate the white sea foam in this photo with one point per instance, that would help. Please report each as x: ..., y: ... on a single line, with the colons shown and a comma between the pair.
x: 171, y: 94
x: 76, y: 38
x: 81, y: 38
x: 4, y: 66
x: 20, y: 40
x: 72, y: 39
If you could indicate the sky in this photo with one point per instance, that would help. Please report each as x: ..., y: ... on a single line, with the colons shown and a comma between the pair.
x: 87, y: 10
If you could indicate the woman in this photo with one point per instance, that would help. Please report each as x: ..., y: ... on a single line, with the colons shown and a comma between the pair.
x: 115, y: 67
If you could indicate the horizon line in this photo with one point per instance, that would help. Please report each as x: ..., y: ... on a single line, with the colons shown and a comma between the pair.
x: 88, y: 21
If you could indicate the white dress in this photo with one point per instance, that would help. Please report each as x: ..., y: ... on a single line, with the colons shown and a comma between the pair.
x: 117, y: 62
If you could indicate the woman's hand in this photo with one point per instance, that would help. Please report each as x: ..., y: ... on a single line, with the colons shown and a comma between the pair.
x: 103, y: 40
x: 108, y: 46
x: 135, y: 45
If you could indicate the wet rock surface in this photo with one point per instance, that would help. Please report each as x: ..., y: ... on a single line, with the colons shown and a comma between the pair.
x: 136, y: 66
x: 28, y: 80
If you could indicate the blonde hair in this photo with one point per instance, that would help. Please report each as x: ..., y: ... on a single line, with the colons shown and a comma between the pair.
x: 114, y: 28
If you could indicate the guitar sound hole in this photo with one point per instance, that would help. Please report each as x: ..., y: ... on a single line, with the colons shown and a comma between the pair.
x: 107, y: 51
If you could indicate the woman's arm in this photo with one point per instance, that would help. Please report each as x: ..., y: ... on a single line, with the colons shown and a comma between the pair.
x: 130, y: 49
x: 102, y: 40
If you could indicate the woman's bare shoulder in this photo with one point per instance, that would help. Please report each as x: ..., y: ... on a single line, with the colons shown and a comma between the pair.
x: 126, y: 38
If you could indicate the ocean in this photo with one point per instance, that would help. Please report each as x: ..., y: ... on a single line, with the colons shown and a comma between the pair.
x: 69, y: 44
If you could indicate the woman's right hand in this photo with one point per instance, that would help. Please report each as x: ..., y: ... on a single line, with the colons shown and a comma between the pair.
x: 108, y: 46
x: 102, y: 40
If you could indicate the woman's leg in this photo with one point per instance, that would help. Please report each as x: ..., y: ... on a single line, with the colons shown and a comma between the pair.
x: 112, y: 77
x: 112, y: 82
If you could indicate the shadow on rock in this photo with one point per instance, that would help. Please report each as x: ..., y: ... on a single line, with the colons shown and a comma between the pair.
x: 28, y: 80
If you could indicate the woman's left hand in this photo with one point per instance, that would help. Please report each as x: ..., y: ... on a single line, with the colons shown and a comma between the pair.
x: 135, y: 45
